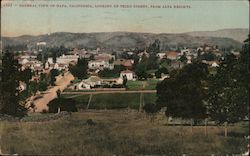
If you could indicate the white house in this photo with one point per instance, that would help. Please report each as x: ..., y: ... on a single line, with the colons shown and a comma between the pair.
x: 161, y: 55
x: 83, y: 85
x: 100, y: 64
x: 129, y: 74
x: 22, y: 86
x: 215, y: 64
x: 66, y: 59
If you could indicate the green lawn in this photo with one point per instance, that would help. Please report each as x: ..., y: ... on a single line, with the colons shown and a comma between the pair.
x: 150, y: 84
x: 112, y: 101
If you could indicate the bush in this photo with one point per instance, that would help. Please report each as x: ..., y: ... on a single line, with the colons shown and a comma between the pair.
x: 90, y: 122
x: 68, y: 105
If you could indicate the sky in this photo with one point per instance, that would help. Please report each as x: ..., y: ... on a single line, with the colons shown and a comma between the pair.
x: 203, y: 15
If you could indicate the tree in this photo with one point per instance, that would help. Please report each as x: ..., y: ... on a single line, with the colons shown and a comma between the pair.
x: 158, y: 74
x: 125, y: 80
x: 140, y: 71
x: 177, y: 93
x: 183, y: 58
x: 53, y: 74
x: 58, y: 93
x: 80, y: 69
x: 68, y: 105
x: 152, y: 62
x: 54, y: 57
x: 150, y: 109
x: 208, y: 56
x: 39, y: 57
x: 160, y: 71
x: 155, y: 47
x: 42, y: 85
x: 228, y: 89
x: 26, y: 76
x: 9, y: 87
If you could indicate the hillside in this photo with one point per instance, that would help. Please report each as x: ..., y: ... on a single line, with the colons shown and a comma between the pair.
x: 120, y: 40
x: 236, y: 34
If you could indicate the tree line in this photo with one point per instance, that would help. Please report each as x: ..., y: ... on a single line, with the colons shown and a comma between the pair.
x: 193, y: 93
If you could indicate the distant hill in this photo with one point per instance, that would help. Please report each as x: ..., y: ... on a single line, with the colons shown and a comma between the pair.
x: 236, y: 34
x: 119, y: 40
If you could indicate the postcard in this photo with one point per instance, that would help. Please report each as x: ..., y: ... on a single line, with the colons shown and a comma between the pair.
x: 124, y: 77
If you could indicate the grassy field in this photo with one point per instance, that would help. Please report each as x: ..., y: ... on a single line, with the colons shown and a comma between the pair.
x: 117, y: 133
x: 150, y: 84
x: 112, y: 101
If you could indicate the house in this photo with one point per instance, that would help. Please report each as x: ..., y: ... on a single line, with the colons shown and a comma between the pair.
x: 124, y: 62
x: 116, y: 81
x: 66, y: 59
x: 177, y: 64
x: 211, y: 63
x: 100, y: 64
x: 104, y: 57
x: 172, y: 55
x: 161, y: 55
x: 83, y: 85
x: 22, y: 86
x: 23, y: 61
x: 128, y: 73
x: 185, y: 51
x: 144, y: 53
x: 93, y: 81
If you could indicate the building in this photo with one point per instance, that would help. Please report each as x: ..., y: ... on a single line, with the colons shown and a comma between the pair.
x: 128, y: 73
x: 177, y: 64
x: 124, y: 62
x: 100, y: 64
x: 66, y: 59
x: 161, y: 55
x: 172, y: 55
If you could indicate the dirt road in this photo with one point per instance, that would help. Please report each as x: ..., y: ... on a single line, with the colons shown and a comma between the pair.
x: 111, y: 92
x: 50, y: 94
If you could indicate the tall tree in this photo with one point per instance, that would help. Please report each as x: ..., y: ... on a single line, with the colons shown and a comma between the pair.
x: 53, y: 74
x: 80, y: 69
x: 228, y: 90
x: 9, y: 87
x: 177, y: 93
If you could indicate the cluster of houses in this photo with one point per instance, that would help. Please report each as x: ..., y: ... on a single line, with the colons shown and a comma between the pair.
x: 100, y: 60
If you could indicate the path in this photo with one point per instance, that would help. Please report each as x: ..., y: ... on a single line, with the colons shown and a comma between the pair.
x: 50, y: 94
x: 111, y: 92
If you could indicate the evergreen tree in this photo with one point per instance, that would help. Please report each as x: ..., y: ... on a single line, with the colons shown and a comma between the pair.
x: 9, y: 87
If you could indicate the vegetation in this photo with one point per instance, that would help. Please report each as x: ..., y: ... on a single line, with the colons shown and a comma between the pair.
x: 62, y: 105
x: 80, y: 69
x: 53, y: 74
x: 177, y: 93
x: 224, y: 96
x: 10, y: 99
x: 228, y: 91
x: 111, y: 101
x: 107, y: 73
x: 117, y: 133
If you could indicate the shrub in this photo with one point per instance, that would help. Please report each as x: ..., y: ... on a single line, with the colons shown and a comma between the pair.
x: 68, y: 105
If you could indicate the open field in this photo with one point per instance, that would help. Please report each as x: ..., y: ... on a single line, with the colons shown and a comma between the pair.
x: 111, y: 101
x: 150, y: 84
x: 117, y: 132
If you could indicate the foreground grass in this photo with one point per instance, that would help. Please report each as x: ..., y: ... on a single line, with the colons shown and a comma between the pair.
x: 117, y: 132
